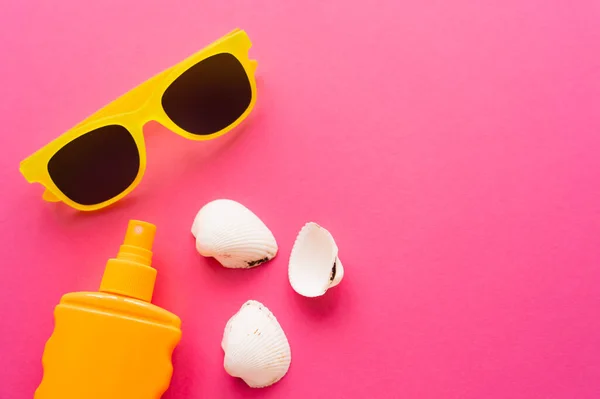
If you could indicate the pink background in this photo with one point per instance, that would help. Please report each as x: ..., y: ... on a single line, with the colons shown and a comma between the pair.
x: 451, y: 147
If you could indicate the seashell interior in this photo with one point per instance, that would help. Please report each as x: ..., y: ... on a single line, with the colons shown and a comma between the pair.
x: 256, y: 348
x: 233, y: 235
x: 314, y: 265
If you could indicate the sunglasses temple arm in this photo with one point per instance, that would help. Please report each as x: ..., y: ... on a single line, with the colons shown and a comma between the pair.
x: 49, y: 196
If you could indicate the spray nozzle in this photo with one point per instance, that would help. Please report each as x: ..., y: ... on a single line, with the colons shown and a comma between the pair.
x: 131, y: 274
x: 137, y: 246
x: 140, y: 234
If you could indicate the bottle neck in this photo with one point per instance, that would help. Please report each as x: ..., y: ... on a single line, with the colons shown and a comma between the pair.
x: 130, y: 273
x: 129, y: 278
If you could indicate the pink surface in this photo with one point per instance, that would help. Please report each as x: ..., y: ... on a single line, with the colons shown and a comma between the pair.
x: 451, y: 147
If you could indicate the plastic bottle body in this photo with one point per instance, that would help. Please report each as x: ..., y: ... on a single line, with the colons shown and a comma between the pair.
x: 107, y: 346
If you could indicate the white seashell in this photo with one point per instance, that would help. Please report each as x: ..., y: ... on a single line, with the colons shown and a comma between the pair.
x: 314, y: 264
x: 256, y: 348
x: 233, y: 235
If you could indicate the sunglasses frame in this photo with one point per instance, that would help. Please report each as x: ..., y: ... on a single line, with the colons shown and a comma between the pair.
x: 133, y: 110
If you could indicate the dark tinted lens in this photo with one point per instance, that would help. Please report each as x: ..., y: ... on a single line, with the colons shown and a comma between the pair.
x: 209, y: 96
x: 97, y: 166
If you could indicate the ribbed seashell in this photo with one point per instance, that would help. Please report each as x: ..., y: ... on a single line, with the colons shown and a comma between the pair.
x: 256, y: 348
x: 314, y: 265
x: 233, y: 235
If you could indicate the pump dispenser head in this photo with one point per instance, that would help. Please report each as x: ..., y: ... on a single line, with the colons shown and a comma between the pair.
x: 130, y: 273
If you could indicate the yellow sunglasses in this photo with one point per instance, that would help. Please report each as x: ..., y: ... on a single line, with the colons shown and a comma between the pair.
x: 103, y: 158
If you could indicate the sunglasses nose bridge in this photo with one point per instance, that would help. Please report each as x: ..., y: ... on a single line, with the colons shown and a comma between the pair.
x: 145, y: 114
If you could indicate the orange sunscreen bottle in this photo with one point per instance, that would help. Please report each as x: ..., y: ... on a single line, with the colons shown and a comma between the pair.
x: 113, y: 344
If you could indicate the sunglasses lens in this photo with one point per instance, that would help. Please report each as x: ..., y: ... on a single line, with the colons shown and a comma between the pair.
x: 209, y: 96
x: 97, y: 166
